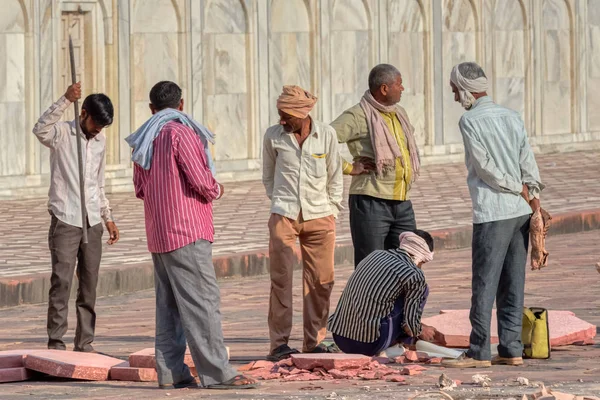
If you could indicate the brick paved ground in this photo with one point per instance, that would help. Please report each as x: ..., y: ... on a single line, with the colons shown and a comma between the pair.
x: 440, y: 198
x: 126, y: 324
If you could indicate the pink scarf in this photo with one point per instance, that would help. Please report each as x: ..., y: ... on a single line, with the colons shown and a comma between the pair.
x: 384, y: 144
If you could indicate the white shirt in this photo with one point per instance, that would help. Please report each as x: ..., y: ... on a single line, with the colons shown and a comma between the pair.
x: 61, y: 137
x: 308, y: 178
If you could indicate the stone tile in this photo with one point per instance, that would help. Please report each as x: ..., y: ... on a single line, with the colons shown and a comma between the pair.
x: 565, y: 328
x: 73, y: 365
x: 126, y: 373
x: 330, y: 361
x: 14, y: 374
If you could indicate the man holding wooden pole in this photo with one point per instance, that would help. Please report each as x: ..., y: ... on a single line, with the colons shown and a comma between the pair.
x: 66, y: 236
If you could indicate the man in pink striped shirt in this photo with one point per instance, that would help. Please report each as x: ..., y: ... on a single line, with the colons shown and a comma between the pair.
x: 178, y: 190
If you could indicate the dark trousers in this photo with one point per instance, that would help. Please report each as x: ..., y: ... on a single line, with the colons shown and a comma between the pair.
x: 499, y: 258
x: 67, y: 252
x: 390, y: 332
x: 376, y: 224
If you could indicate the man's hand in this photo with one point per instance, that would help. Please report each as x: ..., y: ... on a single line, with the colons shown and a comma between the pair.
x: 525, y: 193
x: 221, y: 190
x: 428, y: 333
x: 73, y: 92
x: 362, y: 166
x: 535, y: 204
x: 113, y: 231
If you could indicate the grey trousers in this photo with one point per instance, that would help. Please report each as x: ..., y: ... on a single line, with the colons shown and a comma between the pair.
x: 68, y: 251
x: 376, y: 224
x: 187, y: 307
x: 499, y: 258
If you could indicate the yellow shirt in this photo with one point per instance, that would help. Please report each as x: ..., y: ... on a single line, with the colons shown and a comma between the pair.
x: 351, y: 128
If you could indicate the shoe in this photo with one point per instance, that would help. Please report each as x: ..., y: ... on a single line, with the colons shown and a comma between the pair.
x: 281, y: 353
x: 514, y: 361
x: 466, y: 362
x: 187, y: 384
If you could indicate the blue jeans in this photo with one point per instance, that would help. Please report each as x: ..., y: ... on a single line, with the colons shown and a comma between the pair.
x: 390, y: 332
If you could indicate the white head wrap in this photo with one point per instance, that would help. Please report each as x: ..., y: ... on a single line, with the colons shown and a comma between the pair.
x: 416, y: 247
x: 467, y: 86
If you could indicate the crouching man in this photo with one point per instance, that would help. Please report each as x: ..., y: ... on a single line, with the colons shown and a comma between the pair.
x: 384, y: 299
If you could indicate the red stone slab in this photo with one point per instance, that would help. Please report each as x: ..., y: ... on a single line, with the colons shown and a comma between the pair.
x: 70, y: 364
x: 330, y: 361
x: 565, y: 328
x: 14, y: 374
x: 124, y: 372
x: 14, y: 358
x: 145, y: 358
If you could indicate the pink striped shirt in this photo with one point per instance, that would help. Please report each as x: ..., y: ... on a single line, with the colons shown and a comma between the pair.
x: 177, y: 190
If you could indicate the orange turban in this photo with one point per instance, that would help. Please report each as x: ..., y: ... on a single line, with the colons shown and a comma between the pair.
x: 296, y: 101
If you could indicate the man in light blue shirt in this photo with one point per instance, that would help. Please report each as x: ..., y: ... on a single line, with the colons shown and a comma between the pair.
x: 505, y: 185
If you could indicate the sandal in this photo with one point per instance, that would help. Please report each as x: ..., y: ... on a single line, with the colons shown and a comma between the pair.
x: 281, y: 353
x: 186, y: 384
x: 231, y: 384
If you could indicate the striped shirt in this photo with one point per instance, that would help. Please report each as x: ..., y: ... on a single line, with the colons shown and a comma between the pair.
x: 371, y: 292
x: 64, y: 195
x: 177, y: 190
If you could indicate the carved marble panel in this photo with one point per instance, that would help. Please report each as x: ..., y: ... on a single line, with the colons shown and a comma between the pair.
x: 458, y: 44
x: 593, y: 54
x: 226, y: 79
x: 290, y: 52
x: 557, y: 67
x: 13, y: 139
x: 350, y: 53
x: 155, y: 51
x: 406, y: 51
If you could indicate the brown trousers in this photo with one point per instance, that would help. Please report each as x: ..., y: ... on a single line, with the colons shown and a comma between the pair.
x: 317, y: 245
x: 67, y: 251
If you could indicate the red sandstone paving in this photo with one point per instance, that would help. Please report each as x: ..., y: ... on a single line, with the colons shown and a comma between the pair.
x: 126, y: 325
x: 440, y: 197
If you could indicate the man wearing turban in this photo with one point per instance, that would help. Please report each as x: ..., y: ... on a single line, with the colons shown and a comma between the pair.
x: 302, y: 175
x: 505, y: 185
x: 383, y: 302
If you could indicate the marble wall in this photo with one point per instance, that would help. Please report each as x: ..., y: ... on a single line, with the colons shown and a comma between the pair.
x: 13, y: 139
x: 557, y: 68
x: 231, y: 57
x: 593, y: 59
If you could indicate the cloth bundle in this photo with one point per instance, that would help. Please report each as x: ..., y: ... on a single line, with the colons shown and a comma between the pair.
x: 538, y: 230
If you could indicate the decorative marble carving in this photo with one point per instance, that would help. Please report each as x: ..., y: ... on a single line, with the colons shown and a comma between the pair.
x: 350, y: 53
x: 593, y: 73
x: 458, y: 43
x: 13, y: 142
x: 226, y: 78
x: 290, y: 52
x: 155, y: 51
x: 557, y: 63
x: 406, y: 51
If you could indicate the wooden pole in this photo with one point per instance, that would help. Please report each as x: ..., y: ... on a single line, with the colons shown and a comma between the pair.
x: 79, y: 147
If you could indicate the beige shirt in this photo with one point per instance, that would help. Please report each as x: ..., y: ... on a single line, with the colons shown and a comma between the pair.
x: 61, y: 137
x: 352, y: 129
x: 308, y: 178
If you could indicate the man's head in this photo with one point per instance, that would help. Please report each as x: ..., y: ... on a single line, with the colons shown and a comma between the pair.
x: 385, y: 84
x: 468, y: 83
x: 293, y: 106
x: 418, y: 244
x: 165, y: 94
x: 97, y: 113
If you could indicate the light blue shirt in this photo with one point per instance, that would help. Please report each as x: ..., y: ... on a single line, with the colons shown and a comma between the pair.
x: 499, y: 161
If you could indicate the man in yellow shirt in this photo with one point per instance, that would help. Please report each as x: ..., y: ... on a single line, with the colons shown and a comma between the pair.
x: 386, y: 163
